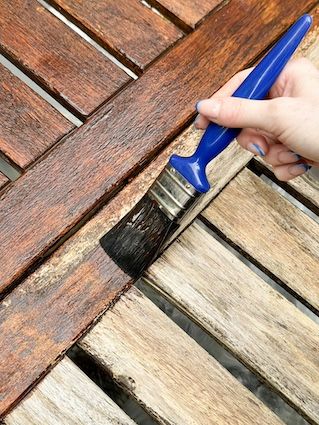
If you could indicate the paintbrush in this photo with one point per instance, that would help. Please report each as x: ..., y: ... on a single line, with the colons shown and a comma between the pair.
x: 136, y: 240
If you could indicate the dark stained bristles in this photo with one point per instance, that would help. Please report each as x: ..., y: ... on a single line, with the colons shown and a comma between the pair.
x: 134, y: 243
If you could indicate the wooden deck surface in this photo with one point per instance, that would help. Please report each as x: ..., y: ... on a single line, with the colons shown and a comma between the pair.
x: 56, y: 282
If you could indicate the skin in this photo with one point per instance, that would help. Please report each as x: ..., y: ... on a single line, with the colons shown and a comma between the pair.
x: 284, y: 129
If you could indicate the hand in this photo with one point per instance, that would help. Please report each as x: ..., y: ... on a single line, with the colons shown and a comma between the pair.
x: 283, y: 129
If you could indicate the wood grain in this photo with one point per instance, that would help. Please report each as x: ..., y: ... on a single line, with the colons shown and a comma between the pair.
x: 61, y: 61
x: 258, y: 325
x: 95, y: 160
x: 67, y: 397
x: 129, y: 29
x: 188, y: 11
x: 3, y: 180
x: 276, y: 234
x: 165, y: 370
x: 86, y: 294
x: 29, y: 125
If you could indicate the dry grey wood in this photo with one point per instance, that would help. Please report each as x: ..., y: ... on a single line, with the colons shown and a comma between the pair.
x: 279, y: 236
x: 175, y: 379
x: 258, y: 325
x: 67, y: 397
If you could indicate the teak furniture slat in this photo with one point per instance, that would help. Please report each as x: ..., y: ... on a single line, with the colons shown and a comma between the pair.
x: 180, y: 384
x: 66, y: 65
x: 67, y: 397
x: 188, y: 11
x: 3, y: 180
x: 275, y: 233
x: 131, y: 30
x: 29, y: 125
x: 79, y: 281
x: 96, y: 159
x: 260, y: 327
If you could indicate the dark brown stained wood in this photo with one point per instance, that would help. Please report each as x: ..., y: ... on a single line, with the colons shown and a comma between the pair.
x: 60, y: 60
x: 188, y: 11
x: 275, y: 233
x: 31, y: 299
x: 252, y: 320
x: 3, y: 180
x: 29, y: 125
x: 94, y: 160
x: 66, y: 309
x: 131, y: 30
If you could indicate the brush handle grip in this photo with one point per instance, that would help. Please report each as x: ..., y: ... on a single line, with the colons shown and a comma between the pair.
x: 256, y: 86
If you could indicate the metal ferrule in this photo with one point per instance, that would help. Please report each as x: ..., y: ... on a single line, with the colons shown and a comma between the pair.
x: 173, y: 193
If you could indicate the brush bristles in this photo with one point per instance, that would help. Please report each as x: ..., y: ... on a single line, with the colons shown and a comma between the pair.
x: 134, y: 243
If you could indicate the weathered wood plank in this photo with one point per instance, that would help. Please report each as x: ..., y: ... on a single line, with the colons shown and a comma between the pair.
x: 175, y: 379
x: 75, y: 303
x: 275, y: 233
x: 131, y: 30
x: 29, y: 125
x: 3, y: 180
x: 188, y: 11
x: 258, y: 325
x: 95, y: 160
x: 67, y: 397
x: 72, y: 70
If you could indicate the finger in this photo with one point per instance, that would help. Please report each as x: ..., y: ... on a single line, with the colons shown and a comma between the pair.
x: 232, y: 85
x: 280, y: 154
x: 243, y: 113
x: 201, y: 122
x: 290, y: 171
x: 253, y: 141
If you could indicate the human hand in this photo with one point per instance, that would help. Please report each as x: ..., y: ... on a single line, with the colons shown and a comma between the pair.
x: 283, y: 129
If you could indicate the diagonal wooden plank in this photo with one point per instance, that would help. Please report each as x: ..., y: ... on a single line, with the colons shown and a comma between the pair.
x: 276, y: 234
x: 67, y: 397
x: 95, y: 160
x: 66, y: 65
x: 175, y: 379
x: 131, y: 30
x: 190, y: 12
x: 29, y: 125
x: 258, y: 325
x: 79, y: 281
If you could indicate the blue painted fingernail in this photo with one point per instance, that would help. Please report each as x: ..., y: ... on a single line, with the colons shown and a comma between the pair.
x: 298, y: 157
x: 258, y: 150
x: 306, y: 167
x: 197, y: 105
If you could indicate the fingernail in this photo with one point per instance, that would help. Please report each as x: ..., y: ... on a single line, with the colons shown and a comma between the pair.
x: 287, y: 157
x: 256, y: 149
x: 197, y: 105
x: 298, y: 169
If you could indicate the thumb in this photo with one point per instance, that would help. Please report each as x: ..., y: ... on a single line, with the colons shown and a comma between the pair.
x: 235, y: 112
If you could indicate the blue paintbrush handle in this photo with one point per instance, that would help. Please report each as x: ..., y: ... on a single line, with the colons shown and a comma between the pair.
x: 256, y: 86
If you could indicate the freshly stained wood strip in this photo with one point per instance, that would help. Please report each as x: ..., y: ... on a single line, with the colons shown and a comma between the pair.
x: 275, y: 233
x: 129, y: 29
x: 188, y: 11
x: 60, y: 60
x: 175, y: 379
x: 74, y: 304
x: 95, y: 160
x: 3, y: 180
x: 67, y: 397
x: 234, y: 305
x: 29, y: 125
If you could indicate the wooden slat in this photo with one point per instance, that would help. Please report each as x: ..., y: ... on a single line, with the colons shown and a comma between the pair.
x: 67, y: 397
x: 188, y: 11
x: 275, y: 233
x: 3, y: 180
x: 235, y: 306
x: 61, y: 61
x: 29, y: 125
x: 175, y: 379
x: 131, y: 30
x: 79, y: 281
x: 96, y: 159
